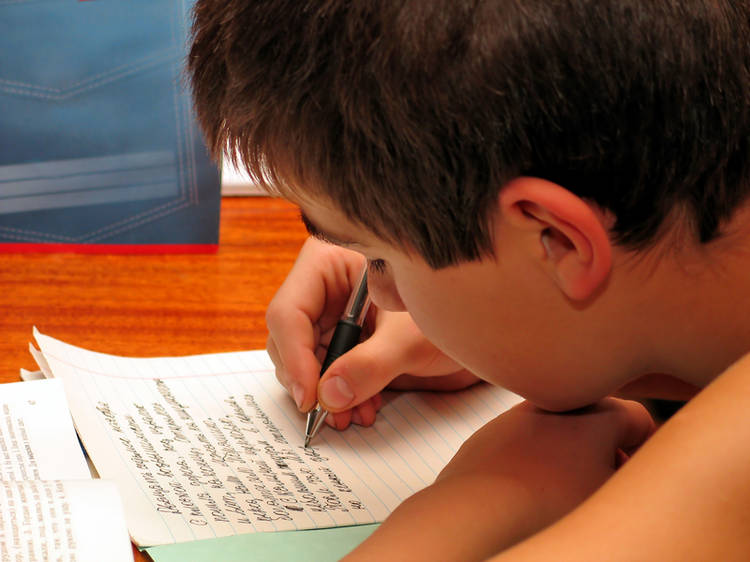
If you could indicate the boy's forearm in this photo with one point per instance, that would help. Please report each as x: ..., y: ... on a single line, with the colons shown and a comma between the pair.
x: 517, y: 474
x: 456, y: 519
x: 684, y: 496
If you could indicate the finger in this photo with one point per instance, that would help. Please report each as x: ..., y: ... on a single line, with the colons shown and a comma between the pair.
x: 273, y: 353
x: 339, y: 420
x: 361, y: 373
x: 377, y: 401
x: 365, y: 413
x: 294, y: 350
x: 319, y: 284
x: 313, y: 295
x: 296, y: 391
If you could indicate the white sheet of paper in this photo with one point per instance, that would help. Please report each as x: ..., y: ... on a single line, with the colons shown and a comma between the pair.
x: 43, y: 517
x: 211, y: 445
x: 37, y: 439
x: 31, y: 375
x: 74, y: 520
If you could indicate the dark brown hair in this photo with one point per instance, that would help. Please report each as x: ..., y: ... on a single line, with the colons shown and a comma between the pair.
x: 411, y: 115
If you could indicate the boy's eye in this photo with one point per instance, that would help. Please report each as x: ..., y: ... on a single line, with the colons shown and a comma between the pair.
x: 378, y: 266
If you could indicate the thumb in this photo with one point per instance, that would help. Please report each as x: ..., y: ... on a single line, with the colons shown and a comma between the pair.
x: 360, y: 373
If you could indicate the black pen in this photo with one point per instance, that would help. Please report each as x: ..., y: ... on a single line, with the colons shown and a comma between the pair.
x: 345, y: 336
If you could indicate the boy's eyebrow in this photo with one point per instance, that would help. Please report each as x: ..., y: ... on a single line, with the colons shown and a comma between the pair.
x: 317, y: 232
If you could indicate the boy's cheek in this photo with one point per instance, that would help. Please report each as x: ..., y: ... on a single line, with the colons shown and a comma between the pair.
x: 459, y: 312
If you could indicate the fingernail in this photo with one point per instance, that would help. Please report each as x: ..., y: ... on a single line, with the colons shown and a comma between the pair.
x: 335, y: 393
x: 299, y: 395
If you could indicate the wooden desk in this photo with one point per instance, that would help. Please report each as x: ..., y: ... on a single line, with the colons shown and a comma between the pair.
x: 153, y: 305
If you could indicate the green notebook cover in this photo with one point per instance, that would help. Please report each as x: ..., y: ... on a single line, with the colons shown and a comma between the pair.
x: 315, y: 545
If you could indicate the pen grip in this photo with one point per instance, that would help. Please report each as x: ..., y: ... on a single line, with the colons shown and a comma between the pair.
x: 345, y: 337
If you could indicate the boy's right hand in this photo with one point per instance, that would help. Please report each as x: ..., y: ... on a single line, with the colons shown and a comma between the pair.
x: 301, y: 318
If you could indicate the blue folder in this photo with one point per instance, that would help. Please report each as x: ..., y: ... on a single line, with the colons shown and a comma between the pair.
x: 98, y: 141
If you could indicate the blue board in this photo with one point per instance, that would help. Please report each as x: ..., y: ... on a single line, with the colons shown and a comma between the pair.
x: 98, y: 142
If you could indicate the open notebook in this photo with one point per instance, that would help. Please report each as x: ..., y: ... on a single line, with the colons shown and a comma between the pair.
x: 211, y: 445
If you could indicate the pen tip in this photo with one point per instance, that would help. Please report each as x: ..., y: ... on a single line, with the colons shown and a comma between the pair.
x: 307, y: 441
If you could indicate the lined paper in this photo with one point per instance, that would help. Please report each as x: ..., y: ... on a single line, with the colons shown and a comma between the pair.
x: 211, y: 445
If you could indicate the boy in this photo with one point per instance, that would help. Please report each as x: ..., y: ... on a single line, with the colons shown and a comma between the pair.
x: 551, y: 196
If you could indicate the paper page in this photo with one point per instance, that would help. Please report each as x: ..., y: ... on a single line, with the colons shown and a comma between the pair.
x: 211, y: 445
x: 42, y: 517
x: 37, y: 439
x: 31, y: 375
x: 73, y: 521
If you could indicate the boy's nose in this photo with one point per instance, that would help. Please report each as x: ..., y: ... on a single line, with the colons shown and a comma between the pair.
x: 383, y: 292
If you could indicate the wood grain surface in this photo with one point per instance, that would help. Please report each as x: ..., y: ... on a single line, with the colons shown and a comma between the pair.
x: 141, y: 305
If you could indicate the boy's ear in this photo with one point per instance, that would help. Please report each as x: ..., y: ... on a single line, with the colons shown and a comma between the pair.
x: 568, y: 234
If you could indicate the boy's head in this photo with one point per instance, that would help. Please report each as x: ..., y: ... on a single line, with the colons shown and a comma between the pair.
x: 533, y: 132
x: 410, y: 116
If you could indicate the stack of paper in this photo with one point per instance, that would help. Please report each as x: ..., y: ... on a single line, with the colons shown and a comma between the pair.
x: 210, y: 446
x: 50, y: 508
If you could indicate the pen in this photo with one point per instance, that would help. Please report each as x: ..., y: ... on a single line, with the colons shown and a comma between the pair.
x: 345, y: 336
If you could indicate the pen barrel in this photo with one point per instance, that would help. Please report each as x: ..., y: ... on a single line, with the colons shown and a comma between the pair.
x: 345, y: 337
